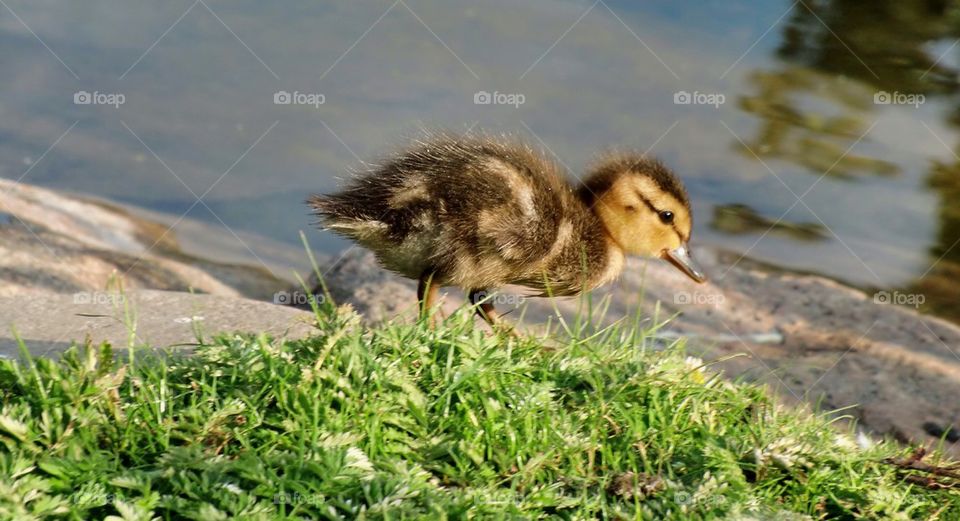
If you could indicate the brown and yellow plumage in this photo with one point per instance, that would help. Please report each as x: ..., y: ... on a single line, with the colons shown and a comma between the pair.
x: 481, y: 213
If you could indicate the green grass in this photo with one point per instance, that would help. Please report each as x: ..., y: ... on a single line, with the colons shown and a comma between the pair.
x: 405, y: 422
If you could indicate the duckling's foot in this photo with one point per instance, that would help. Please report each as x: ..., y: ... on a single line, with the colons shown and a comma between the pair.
x: 427, y: 293
x: 488, y: 313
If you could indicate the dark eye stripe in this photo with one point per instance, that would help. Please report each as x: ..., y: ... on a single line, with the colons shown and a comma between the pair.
x: 673, y: 224
x: 648, y: 203
x: 680, y: 235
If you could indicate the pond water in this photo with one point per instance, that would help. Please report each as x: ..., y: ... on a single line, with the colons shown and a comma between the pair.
x: 816, y: 136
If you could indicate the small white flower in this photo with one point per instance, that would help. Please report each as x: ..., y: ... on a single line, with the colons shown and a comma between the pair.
x: 357, y: 459
x: 232, y: 488
x: 844, y: 441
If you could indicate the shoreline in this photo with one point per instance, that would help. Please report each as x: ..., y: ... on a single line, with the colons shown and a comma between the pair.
x: 811, y: 339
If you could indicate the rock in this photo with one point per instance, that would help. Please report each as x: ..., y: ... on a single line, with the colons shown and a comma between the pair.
x: 49, y: 323
x: 55, y: 243
x: 356, y: 278
x: 811, y: 339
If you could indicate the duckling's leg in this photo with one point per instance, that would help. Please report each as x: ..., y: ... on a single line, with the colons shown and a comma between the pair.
x: 427, y: 295
x: 488, y: 313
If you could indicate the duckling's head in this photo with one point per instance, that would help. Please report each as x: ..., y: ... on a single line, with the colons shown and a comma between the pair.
x: 644, y: 209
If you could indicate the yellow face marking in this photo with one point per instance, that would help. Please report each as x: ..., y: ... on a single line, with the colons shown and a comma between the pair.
x: 629, y: 211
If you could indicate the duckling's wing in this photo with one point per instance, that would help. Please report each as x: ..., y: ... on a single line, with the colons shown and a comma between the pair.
x: 509, y: 218
x: 478, y: 215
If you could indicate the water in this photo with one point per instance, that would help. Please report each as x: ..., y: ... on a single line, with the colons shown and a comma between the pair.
x: 802, y: 112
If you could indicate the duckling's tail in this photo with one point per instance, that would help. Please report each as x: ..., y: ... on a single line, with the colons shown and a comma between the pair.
x: 343, y: 218
x: 322, y: 205
x: 332, y: 208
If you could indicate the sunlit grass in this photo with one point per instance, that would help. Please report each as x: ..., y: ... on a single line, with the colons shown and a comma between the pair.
x: 401, y: 421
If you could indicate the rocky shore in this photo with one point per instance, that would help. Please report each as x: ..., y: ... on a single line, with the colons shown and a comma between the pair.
x: 813, y: 340
x: 52, y: 242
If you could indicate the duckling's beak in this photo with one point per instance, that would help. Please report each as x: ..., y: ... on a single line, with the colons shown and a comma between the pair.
x: 681, y: 258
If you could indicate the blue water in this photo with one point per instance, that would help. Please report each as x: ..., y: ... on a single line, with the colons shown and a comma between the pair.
x: 199, y: 119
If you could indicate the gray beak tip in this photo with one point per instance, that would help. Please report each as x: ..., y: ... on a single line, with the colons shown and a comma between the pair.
x: 680, y: 257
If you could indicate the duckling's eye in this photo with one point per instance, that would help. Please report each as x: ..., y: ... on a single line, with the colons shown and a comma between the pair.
x: 630, y: 208
x: 666, y: 217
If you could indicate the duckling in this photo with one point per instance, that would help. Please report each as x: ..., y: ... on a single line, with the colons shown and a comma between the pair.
x: 480, y: 213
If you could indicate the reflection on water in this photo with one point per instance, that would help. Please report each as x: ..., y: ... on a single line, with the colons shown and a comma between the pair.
x: 886, y: 43
x: 853, y: 187
x: 939, y: 283
x: 820, y: 138
x: 740, y: 219
x: 895, y: 50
